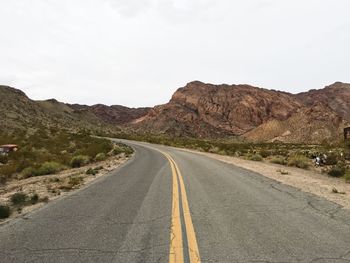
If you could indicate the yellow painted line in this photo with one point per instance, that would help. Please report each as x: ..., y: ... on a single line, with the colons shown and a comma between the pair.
x: 176, y: 244
x: 193, y: 250
x: 191, y: 235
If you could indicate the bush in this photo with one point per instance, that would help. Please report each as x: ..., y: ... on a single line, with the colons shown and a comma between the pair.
x: 100, y: 157
x: 79, y: 160
x: 332, y: 159
x: 91, y: 171
x: 255, y: 157
x: 3, y: 159
x: 337, y: 171
x: 264, y: 153
x: 49, y: 168
x: 279, y: 160
x: 45, y: 169
x: 34, y: 199
x: 299, y: 161
x: 19, y: 198
x: 28, y: 172
x: 73, y: 181
x: 4, y: 211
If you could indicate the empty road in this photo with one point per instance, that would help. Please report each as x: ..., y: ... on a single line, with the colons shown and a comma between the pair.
x: 167, y: 205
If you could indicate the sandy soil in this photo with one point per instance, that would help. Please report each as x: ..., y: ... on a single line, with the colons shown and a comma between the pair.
x: 310, y: 181
x: 51, y: 187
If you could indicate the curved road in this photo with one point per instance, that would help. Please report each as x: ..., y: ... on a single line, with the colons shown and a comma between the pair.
x: 168, y: 205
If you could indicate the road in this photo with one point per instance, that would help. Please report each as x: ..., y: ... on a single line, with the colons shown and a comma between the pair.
x: 168, y: 205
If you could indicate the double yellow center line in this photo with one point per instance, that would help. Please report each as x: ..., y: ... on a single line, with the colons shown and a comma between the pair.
x: 183, y: 243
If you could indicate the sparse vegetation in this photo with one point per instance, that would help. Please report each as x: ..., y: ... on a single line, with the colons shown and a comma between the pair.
x: 120, y: 148
x: 19, y: 198
x: 100, y: 157
x: 48, y: 151
x: 279, y: 160
x: 79, y: 160
x: 45, y: 169
x: 337, y: 171
x: 283, y: 172
x: 94, y: 171
x: 255, y: 157
x: 299, y: 161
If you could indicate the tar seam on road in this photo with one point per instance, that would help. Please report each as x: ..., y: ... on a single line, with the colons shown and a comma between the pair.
x: 183, y: 243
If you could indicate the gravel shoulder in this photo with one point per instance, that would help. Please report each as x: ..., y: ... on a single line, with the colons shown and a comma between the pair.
x: 306, y: 180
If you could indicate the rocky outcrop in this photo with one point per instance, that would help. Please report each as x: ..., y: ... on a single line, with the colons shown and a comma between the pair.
x: 206, y: 110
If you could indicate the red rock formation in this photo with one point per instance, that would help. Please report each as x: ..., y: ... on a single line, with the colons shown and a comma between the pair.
x: 206, y: 110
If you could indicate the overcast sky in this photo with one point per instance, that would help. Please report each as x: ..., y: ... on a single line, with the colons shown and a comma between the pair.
x: 138, y: 52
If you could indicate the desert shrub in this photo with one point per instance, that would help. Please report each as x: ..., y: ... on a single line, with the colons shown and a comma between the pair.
x: 337, y: 171
x: 18, y: 198
x: 264, y: 153
x: 299, y: 161
x: 45, y: 169
x: 28, y: 172
x: 100, y: 157
x: 117, y: 150
x: 75, y: 180
x: 79, y: 160
x: 91, y: 171
x: 34, y: 199
x: 332, y: 159
x: 255, y: 157
x: 50, y: 168
x: 4, y: 211
x: 122, y: 148
x: 3, y: 159
x: 279, y: 160
x: 8, y: 170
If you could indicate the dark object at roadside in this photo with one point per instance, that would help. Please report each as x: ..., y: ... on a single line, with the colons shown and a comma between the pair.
x: 347, y: 133
x: 34, y: 198
x: 4, y: 211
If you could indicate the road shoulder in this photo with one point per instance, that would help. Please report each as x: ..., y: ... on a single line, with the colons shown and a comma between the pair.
x: 307, y: 181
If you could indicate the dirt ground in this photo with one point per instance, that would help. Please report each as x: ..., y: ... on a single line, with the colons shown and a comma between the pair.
x: 51, y: 187
x: 311, y: 181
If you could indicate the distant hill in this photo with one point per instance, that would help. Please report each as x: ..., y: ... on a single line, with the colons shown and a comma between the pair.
x: 215, y: 111
x: 198, y: 110
x: 19, y: 113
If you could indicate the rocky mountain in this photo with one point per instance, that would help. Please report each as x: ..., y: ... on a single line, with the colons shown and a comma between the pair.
x: 115, y: 114
x: 198, y: 110
x: 20, y: 113
x: 206, y: 110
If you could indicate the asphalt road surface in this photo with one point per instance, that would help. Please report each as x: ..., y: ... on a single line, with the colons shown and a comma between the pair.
x: 167, y: 205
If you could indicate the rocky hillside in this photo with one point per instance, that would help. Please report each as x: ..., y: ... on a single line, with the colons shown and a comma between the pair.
x: 19, y: 113
x: 206, y: 110
x: 198, y: 110
x: 115, y: 114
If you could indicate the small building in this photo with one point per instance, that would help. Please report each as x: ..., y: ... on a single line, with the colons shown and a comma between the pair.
x: 347, y: 133
x: 7, y: 148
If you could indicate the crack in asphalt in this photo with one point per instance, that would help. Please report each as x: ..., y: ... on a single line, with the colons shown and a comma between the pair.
x: 77, y: 249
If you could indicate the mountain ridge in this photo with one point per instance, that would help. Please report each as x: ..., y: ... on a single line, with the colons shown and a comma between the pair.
x: 200, y: 110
